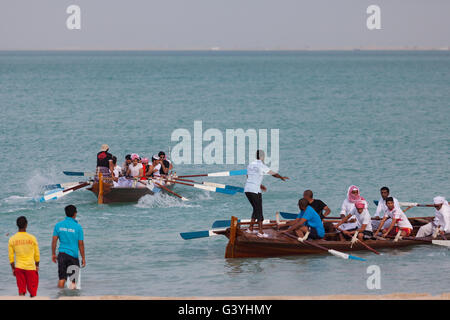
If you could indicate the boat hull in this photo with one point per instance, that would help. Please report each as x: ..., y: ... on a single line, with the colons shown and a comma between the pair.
x: 245, y: 245
x: 120, y: 195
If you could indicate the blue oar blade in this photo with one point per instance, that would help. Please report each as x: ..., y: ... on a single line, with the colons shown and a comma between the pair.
x: 222, y: 223
x: 226, y: 191
x: 287, y: 215
x: 356, y: 258
x: 73, y: 173
x: 376, y: 202
x: 237, y: 189
x: 194, y: 235
x: 238, y: 172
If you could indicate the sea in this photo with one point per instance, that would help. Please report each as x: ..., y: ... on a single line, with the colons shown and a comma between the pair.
x: 365, y: 118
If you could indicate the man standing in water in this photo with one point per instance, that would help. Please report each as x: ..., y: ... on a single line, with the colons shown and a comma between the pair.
x: 253, y: 187
x: 26, y: 250
x: 71, y: 240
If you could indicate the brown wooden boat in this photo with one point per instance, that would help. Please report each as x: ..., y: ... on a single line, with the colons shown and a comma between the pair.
x: 244, y: 245
x: 107, y: 193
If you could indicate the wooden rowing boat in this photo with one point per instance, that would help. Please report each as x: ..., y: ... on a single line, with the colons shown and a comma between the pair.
x: 107, y: 193
x: 244, y: 245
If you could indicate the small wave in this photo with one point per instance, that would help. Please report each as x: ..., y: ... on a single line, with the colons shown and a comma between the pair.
x: 161, y: 200
x: 17, y: 200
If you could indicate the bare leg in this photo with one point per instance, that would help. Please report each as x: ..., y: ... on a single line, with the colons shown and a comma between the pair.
x: 61, y: 283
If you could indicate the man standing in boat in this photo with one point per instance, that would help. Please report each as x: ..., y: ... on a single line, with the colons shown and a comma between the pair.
x: 105, y: 162
x: 253, y: 187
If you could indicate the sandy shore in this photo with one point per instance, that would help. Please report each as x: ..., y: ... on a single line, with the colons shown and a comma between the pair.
x: 393, y: 296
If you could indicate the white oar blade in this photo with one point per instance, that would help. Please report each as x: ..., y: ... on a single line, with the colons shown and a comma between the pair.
x: 445, y: 243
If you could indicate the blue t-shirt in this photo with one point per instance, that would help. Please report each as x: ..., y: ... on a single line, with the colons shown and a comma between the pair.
x: 69, y: 233
x: 312, y: 220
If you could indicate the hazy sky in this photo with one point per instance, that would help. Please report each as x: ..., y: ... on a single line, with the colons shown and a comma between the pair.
x: 228, y: 24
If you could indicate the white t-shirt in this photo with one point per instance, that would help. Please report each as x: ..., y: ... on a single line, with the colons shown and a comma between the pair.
x: 381, y: 208
x: 134, y: 170
x: 117, y: 171
x: 442, y: 218
x: 348, y: 206
x: 157, y: 173
x: 400, y: 216
x: 363, y: 218
x: 255, y: 174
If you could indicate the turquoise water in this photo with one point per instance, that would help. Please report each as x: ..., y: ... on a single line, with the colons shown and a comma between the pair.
x: 364, y: 118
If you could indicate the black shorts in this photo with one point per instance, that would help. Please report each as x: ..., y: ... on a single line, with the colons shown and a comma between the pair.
x: 313, y: 234
x: 366, y: 234
x: 255, y: 200
x: 64, y: 262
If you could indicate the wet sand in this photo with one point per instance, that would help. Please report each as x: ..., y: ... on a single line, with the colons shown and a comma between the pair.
x: 393, y: 296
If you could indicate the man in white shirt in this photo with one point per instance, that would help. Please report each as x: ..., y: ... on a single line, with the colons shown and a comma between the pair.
x: 253, y: 187
x: 441, y: 222
x: 381, y: 209
x: 399, y: 220
x: 363, y: 222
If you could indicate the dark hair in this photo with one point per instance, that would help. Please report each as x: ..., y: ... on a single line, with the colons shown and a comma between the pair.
x: 385, y: 189
x: 70, y: 210
x: 161, y: 153
x: 389, y: 199
x: 114, y: 159
x: 128, y: 157
x: 308, y: 192
x: 21, y: 222
x: 303, y: 203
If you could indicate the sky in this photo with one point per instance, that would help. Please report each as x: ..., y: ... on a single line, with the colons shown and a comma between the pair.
x: 225, y: 24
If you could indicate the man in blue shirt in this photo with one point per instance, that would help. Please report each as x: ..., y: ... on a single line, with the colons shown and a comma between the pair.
x: 71, y: 240
x: 308, y: 220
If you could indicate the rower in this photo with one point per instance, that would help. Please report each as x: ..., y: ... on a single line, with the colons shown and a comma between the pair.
x: 318, y: 205
x: 135, y: 169
x: 126, y: 164
x: 117, y: 172
x: 353, y: 196
x: 104, y: 162
x: 381, y: 208
x: 253, y: 188
x: 441, y: 222
x: 154, y: 168
x: 308, y: 222
x: 363, y: 220
x: 399, y: 220
x: 166, y: 164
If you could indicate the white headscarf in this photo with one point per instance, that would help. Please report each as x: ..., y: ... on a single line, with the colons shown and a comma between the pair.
x: 440, y: 200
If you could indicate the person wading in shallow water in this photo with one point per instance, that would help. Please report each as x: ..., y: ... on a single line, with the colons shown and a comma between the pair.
x: 253, y: 187
x: 71, y: 240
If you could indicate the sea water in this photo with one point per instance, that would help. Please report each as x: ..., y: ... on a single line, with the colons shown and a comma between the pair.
x: 365, y: 118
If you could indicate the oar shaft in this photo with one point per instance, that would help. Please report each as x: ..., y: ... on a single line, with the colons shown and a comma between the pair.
x: 168, y: 190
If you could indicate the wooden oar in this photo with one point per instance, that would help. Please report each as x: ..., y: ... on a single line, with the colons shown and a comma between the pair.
x: 206, y: 188
x: 409, y: 204
x: 170, y: 191
x: 199, y: 234
x: 364, y: 244
x: 60, y: 185
x: 227, y: 223
x: 59, y: 193
x: 218, y: 174
x: 335, y: 253
x: 445, y: 243
x: 217, y: 185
